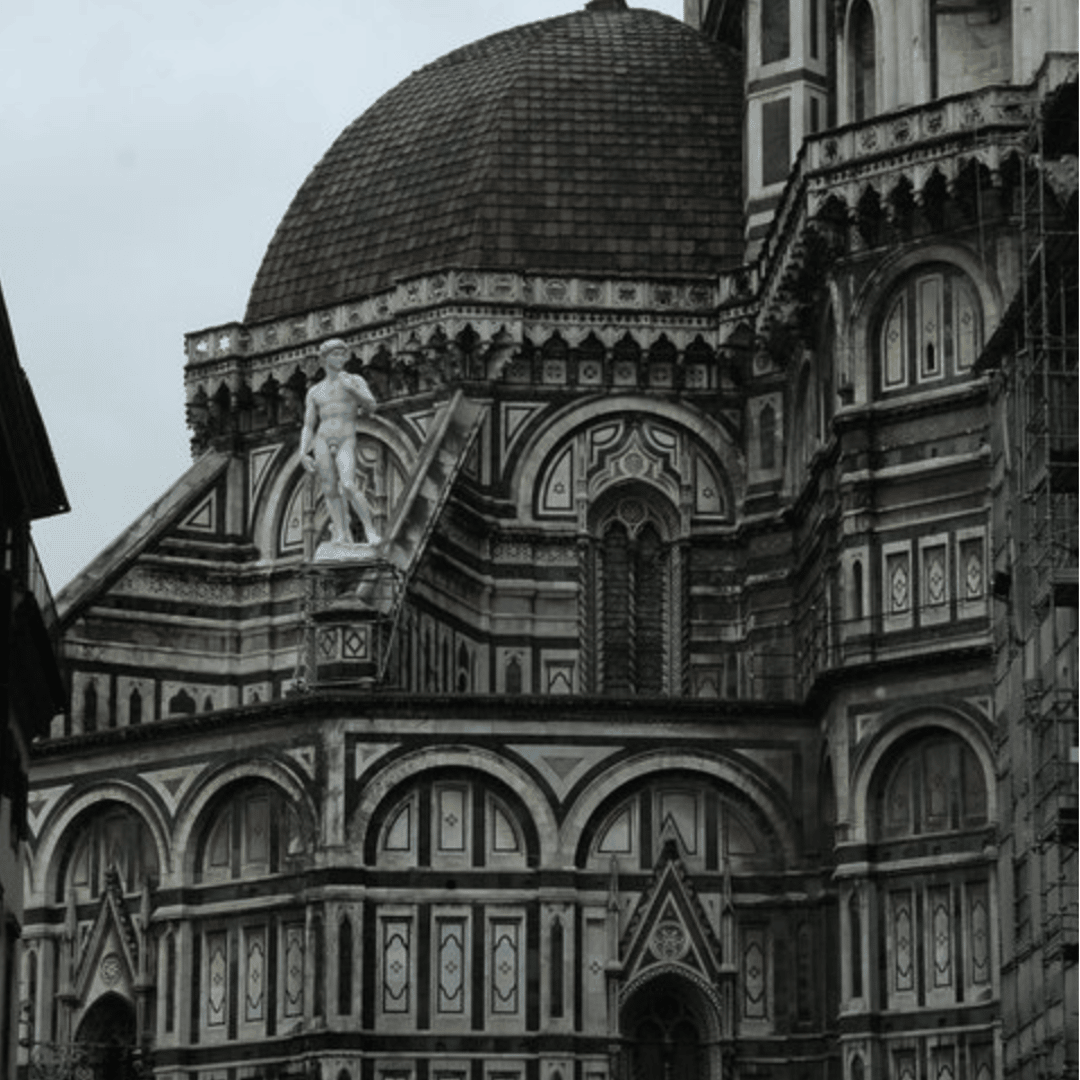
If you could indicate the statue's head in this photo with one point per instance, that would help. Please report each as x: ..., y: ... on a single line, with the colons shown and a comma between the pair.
x: 334, y: 351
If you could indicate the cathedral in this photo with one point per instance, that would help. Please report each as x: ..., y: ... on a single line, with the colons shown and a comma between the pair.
x: 668, y: 671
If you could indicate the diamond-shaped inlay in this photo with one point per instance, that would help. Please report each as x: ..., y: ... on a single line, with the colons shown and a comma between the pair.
x: 327, y: 642
x: 899, y: 585
x: 974, y: 575
x: 935, y: 578
x: 354, y: 644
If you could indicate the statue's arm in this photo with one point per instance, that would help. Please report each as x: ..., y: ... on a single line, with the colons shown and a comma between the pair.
x: 365, y: 399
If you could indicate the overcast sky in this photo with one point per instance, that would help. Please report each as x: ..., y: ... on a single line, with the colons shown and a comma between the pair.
x: 148, y: 149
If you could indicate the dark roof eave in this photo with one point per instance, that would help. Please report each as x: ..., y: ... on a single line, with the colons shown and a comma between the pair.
x: 25, y: 442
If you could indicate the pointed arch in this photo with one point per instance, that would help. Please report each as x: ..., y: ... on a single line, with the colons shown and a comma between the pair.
x: 637, y: 582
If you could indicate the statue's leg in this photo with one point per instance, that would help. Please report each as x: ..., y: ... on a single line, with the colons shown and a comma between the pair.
x: 346, y: 463
x: 340, y: 533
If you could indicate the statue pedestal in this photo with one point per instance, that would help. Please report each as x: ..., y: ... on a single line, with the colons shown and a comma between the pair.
x: 350, y: 596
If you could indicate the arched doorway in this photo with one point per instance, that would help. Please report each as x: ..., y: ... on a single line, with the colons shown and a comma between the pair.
x: 670, y: 1032
x: 106, y: 1038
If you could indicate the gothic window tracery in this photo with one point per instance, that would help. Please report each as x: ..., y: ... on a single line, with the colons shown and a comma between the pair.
x: 635, y: 579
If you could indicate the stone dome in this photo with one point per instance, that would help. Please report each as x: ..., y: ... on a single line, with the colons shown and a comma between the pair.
x: 602, y: 142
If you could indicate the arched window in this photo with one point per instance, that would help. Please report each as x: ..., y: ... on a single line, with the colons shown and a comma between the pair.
x: 931, y: 331
x: 135, y: 707
x: 862, y: 61
x: 513, y: 675
x: 857, y: 611
x: 181, y: 702
x: 111, y: 838
x: 253, y: 830
x: 710, y: 826
x: 464, y: 669
x: 456, y: 820
x: 633, y: 610
x: 929, y: 803
x: 933, y: 784
x: 633, y: 575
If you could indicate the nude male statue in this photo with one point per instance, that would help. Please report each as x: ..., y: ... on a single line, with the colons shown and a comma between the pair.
x: 328, y: 441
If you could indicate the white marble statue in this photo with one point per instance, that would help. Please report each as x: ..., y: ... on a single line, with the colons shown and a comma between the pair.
x: 328, y: 449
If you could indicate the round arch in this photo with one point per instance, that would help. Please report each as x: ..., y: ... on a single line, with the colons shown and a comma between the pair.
x: 743, y: 777
x: 896, y: 730
x: 531, y: 456
x: 868, y: 303
x: 67, y: 814
x: 472, y: 759
x: 199, y: 802
x: 279, y: 490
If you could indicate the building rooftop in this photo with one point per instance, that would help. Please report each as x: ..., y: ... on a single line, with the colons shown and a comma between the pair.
x: 604, y: 141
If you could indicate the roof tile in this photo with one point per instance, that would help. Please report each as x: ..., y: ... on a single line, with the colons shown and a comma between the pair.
x: 598, y: 140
